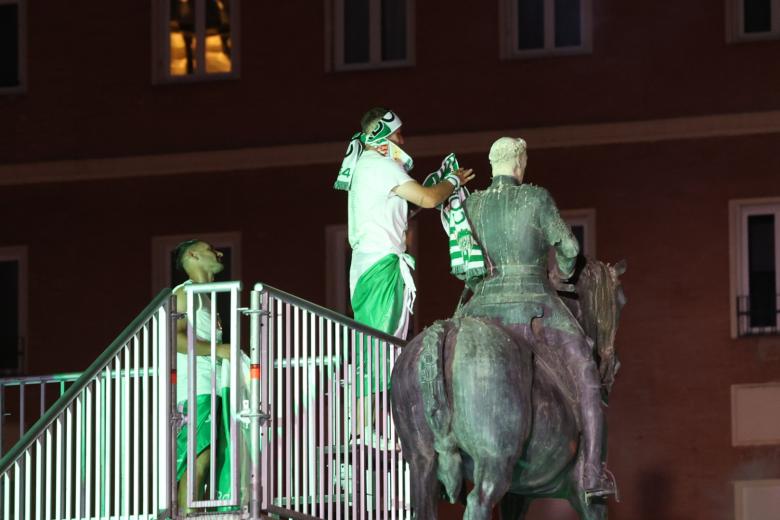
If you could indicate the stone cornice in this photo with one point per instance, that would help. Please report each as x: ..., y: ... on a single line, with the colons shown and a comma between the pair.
x: 261, y: 158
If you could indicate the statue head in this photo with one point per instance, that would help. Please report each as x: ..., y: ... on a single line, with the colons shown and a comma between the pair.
x: 508, y: 157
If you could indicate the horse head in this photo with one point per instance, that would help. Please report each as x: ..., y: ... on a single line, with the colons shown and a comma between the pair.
x: 601, y: 299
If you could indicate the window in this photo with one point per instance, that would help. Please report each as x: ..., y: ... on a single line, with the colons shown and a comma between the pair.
x: 753, y: 19
x: 13, y: 310
x: 583, y: 225
x: 165, y: 273
x: 545, y: 27
x: 195, y: 39
x: 12, y: 45
x: 755, y: 247
x: 372, y: 33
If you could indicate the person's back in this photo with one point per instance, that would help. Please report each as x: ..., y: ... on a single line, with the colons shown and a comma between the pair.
x: 516, y: 224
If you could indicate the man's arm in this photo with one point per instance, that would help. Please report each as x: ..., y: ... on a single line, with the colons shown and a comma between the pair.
x: 430, y: 196
x: 202, y: 348
x: 559, y: 236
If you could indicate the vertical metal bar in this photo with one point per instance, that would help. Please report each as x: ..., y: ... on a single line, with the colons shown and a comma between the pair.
x: 255, y: 331
x: 89, y: 447
x: 267, y: 360
x: 58, y: 469
x: 322, y: 434
x: 118, y: 446
x: 148, y: 464
x: 17, y: 490
x: 159, y: 431
x: 80, y: 446
x: 386, y: 353
x: 27, y: 483
x: 333, y: 390
x: 303, y: 407
x: 288, y: 398
x: 49, y: 471
x: 136, y: 420
x: 67, y: 450
x: 296, y: 396
x: 39, y: 496
x: 213, y: 377
x: 356, y: 428
x: 6, y: 495
x: 314, y: 410
x: 192, y: 413
x: 281, y: 431
x: 125, y: 432
x: 341, y: 392
x: 235, y: 393
x: 165, y: 371
x: 2, y: 418
x: 104, y: 471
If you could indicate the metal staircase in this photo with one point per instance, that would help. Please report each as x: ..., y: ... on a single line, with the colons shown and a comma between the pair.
x: 310, y: 436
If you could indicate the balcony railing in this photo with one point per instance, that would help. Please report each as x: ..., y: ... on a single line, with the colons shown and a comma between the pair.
x: 758, y: 315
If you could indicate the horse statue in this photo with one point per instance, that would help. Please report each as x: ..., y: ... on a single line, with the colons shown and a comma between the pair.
x: 511, y: 423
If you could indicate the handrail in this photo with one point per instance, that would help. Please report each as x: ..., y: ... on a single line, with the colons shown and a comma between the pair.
x: 330, y: 314
x: 86, y: 377
x: 45, y: 379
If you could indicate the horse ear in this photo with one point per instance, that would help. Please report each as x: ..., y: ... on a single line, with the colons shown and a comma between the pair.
x: 620, y: 267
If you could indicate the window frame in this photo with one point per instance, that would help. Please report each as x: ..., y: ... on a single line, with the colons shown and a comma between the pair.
x: 739, y: 211
x: 22, y: 51
x: 161, y: 49
x: 19, y: 253
x: 509, y: 32
x: 162, y: 246
x: 586, y: 218
x: 735, y: 23
x: 334, y: 31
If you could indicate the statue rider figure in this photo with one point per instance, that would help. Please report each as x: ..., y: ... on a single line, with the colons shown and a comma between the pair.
x: 516, y: 224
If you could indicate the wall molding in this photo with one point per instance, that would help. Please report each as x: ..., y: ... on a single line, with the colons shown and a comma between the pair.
x: 260, y: 158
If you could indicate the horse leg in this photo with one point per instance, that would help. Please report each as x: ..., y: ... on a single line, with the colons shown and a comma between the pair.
x: 514, y: 507
x: 596, y: 508
x: 492, y: 478
x: 424, y: 486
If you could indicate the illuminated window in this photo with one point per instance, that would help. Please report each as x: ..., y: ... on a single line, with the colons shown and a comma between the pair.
x: 13, y: 310
x: 753, y: 19
x: 755, y: 243
x: 12, y: 45
x: 372, y: 33
x: 197, y: 39
x: 543, y: 27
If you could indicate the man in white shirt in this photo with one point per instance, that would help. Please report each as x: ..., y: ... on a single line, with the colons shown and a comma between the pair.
x: 375, y: 172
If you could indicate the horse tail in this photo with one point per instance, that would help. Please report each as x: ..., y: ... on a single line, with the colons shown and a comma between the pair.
x: 438, y: 413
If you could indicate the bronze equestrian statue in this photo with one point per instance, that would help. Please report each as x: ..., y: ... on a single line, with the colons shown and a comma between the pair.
x: 507, y: 393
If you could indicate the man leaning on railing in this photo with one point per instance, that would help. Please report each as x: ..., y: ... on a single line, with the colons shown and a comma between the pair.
x: 201, y: 262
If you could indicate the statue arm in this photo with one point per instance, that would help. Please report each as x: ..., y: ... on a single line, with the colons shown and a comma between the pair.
x: 559, y: 236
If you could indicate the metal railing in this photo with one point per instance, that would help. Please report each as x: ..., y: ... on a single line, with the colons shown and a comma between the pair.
x: 311, y: 436
x: 758, y: 316
x: 329, y: 449
x: 23, y: 400
x: 101, y: 449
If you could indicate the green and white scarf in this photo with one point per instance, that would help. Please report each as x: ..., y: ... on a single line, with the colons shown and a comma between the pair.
x: 377, y: 138
x: 466, y: 258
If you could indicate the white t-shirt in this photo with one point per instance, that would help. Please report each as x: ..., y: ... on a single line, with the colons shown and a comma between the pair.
x: 377, y: 216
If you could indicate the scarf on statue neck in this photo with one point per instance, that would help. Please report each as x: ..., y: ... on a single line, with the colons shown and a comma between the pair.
x: 467, y: 260
x: 378, y: 139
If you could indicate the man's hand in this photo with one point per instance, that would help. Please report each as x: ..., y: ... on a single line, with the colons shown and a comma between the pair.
x: 464, y: 175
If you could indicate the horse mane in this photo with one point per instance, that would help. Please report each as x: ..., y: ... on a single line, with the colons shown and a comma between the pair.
x: 600, y: 300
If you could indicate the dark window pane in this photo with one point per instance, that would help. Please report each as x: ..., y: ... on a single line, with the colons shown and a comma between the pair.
x: 567, y: 23
x: 530, y: 24
x: 9, y: 45
x: 393, y: 30
x: 758, y: 15
x: 356, y: 26
x: 761, y: 274
x: 9, y: 316
x: 223, y: 300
